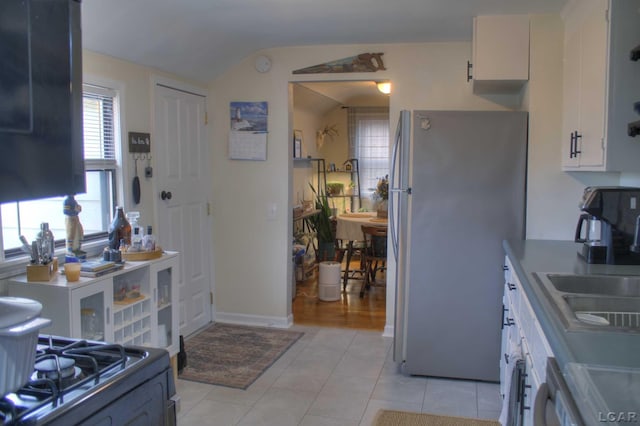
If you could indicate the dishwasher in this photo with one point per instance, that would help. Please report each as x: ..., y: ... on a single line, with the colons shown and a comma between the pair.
x: 553, y: 404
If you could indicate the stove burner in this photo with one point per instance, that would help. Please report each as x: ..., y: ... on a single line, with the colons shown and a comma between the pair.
x: 52, y: 368
x: 65, y: 370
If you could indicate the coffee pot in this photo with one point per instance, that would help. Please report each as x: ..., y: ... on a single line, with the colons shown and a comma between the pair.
x: 589, y: 232
x: 592, y: 230
x: 609, y: 227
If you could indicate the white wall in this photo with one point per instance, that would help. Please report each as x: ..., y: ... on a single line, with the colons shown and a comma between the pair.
x: 424, y: 76
x: 135, y: 86
x: 307, y: 122
x: 553, y: 195
x: 253, y: 252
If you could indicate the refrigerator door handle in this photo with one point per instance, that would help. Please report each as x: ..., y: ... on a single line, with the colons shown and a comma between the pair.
x: 393, y: 189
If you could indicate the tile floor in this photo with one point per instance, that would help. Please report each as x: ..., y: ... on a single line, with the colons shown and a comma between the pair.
x: 333, y: 377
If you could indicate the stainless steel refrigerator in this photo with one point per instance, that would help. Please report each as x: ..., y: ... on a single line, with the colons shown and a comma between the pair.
x: 458, y: 185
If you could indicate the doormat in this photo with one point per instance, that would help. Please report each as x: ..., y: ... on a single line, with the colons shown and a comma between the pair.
x: 234, y: 355
x: 402, y: 418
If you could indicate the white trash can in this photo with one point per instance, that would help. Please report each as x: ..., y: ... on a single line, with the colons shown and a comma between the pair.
x: 329, y: 281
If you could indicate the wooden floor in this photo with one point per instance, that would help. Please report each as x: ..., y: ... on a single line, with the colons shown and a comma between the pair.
x: 351, y: 311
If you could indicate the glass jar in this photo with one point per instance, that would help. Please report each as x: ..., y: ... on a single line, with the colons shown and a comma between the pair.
x: 88, y: 323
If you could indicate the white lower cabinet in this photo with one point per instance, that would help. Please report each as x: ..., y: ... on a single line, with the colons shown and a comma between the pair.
x: 91, y: 309
x: 133, y: 306
x: 522, y: 336
x: 164, y: 304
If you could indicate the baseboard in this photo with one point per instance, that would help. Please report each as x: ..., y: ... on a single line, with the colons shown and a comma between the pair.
x: 254, y: 320
x: 388, y: 331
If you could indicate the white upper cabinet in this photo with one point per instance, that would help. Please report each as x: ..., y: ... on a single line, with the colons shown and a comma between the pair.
x: 500, y: 53
x: 601, y: 84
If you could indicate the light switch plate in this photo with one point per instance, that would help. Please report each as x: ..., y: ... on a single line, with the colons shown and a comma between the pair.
x: 272, y: 210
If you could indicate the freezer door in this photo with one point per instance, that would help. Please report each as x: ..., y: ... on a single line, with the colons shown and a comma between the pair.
x: 398, y: 210
x: 468, y: 195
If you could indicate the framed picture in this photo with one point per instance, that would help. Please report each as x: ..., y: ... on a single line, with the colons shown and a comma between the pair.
x: 297, y: 144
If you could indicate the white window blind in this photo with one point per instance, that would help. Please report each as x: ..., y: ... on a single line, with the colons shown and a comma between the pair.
x: 99, y: 137
x: 369, y: 143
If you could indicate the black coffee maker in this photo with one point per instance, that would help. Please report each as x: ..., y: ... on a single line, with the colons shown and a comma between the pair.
x: 617, y: 210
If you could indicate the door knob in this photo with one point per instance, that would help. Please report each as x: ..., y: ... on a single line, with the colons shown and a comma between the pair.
x: 165, y: 195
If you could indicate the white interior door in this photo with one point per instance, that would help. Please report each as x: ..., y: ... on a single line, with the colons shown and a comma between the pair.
x: 184, y: 180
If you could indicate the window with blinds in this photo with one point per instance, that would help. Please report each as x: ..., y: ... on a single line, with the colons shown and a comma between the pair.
x: 369, y: 143
x: 101, y: 165
x: 99, y: 137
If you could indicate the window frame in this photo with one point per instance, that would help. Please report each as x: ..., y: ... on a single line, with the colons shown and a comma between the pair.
x: 94, y: 242
x: 355, y: 115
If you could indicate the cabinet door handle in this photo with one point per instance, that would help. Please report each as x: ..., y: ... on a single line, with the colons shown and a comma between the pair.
x: 511, y: 286
x: 469, y: 67
x: 575, y: 144
x: 506, y: 358
x: 505, y: 268
x: 571, y: 151
x: 504, y: 311
x: 108, y: 315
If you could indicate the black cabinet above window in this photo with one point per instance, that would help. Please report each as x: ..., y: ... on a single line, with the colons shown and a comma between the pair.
x: 40, y: 99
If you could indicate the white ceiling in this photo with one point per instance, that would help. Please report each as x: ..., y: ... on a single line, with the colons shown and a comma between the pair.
x: 200, y: 39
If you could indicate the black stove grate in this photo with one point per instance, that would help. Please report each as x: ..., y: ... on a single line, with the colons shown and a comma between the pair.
x: 92, y: 360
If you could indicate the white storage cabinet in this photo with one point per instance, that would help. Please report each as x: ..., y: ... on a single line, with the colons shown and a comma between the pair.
x: 521, y: 330
x: 600, y: 85
x: 91, y: 308
x: 500, y: 53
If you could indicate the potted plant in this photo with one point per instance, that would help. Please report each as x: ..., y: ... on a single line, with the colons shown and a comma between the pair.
x: 381, y: 196
x: 324, y: 227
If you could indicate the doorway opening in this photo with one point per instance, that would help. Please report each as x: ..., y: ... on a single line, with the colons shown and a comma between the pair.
x: 325, y: 146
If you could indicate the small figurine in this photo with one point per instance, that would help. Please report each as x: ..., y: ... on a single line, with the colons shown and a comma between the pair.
x: 73, y: 227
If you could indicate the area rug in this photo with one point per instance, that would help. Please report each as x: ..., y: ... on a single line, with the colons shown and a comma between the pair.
x: 402, y: 418
x: 233, y: 355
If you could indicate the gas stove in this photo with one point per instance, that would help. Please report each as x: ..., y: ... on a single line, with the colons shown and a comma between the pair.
x: 89, y: 382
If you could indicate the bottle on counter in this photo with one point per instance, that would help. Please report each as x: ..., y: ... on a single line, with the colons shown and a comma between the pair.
x: 149, y: 240
x: 136, y: 240
x: 46, y: 243
x: 119, y: 230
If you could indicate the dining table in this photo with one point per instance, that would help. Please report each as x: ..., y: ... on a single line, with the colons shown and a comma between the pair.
x: 349, y: 230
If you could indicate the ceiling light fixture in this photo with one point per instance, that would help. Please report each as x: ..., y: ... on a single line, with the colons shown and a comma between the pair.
x: 384, y: 87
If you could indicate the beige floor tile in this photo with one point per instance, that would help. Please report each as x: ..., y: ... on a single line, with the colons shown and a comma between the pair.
x: 213, y: 413
x: 359, y: 365
x: 451, y: 397
x: 279, y: 407
x: 326, y: 421
x: 333, y: 377
x: 489, y: 398
x: 400, y: 388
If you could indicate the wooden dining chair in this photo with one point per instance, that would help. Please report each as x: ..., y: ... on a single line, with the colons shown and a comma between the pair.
x: 374, y: 253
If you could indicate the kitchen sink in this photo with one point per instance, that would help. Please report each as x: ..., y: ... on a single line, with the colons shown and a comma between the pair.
x: 594, y: 302
x: 610, y: 285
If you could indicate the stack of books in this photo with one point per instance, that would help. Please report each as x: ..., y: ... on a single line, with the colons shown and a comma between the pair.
x: 96, y: 268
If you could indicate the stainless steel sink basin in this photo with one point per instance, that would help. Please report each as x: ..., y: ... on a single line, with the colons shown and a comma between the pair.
x: 610, y: 285
x: 594, y: 302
